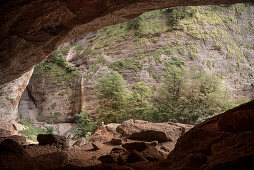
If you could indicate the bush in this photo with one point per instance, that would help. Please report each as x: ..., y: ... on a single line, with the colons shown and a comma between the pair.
x: 174, y: 15
x: 190, y: 97
x: 85, y: 123
x: 134, y: 24
x: 112, y: 95
x: 140, y: 106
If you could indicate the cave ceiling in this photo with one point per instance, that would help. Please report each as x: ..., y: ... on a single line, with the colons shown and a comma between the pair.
x: 31, y: 30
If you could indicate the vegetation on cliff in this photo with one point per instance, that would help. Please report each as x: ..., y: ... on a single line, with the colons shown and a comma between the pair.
x: 181, y: 64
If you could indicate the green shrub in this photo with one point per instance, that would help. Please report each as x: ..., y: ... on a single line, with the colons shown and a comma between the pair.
x: 130, y: 64
x: 174, y: 15
x: 112, y: 96
x: 85, y: 123
x: 135, y: 25
x: 66, y: 49
x: 175, y: 60
x: 190, y: 97
x: 140, y: 106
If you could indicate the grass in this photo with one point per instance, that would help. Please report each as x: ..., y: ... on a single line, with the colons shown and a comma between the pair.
x: 32, y: 131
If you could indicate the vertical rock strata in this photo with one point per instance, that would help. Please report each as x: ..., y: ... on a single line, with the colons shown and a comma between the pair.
x: 10, y: 94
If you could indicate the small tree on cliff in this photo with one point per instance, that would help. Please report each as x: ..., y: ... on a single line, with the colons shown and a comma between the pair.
x: 112, y: 95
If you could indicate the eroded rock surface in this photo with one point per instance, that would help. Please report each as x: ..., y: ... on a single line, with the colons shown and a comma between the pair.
x: 10, y: 94
x: 31, y: 30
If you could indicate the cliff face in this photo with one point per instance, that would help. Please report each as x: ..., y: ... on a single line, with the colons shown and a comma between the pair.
x: 10, y: 94
x: 31, y: 30
x: 215, y: 40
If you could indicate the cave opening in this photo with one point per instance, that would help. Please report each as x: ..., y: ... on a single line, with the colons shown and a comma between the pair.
x: 176, y: 67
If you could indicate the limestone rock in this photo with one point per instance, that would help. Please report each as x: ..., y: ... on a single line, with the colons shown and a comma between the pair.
x: 10, y: 94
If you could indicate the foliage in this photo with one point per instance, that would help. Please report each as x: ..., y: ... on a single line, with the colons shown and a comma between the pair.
x: 190, y: 97
x: 134, y: 24
x: 113, y: 97
x: 85, y: 123
x: 32, y: 131
x: 174, y: 15
x: 140, y: 105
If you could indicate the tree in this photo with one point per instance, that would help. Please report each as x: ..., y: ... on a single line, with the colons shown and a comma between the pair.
x: 166, y: 100
x: 190, y: 97
x: 112, y: 95
x: 85, y: 123
x: 140, y: 102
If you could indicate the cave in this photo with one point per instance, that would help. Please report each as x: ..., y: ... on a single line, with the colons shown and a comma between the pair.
x: 32, y: 30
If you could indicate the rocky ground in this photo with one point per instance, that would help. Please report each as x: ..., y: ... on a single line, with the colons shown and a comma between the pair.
x: 131, y: 141
x: 222, y: 142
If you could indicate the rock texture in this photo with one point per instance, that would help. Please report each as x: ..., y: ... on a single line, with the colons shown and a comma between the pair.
x: 30, y: 30
x: 10, y: 94
x: 147, y: 131
x: 149, y: 54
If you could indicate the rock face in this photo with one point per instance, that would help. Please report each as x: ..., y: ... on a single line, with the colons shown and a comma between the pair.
x: 28, y: 36
x: 94, y: 53
x: 10, y: 94
x: 51, y: 99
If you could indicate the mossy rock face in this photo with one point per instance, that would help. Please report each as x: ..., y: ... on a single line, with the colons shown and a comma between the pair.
x: 213, y: 39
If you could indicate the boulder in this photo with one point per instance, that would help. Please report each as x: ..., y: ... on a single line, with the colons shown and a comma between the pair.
x: 135, y: 156
x: 19, y: 139
x: 147, y: 131
x: 97, y: 145
x: 105, y: 134
x: 150, y: 135
x: 119, y: 155
x: 50, y: 139
x: 116, y: 141
x: 14, y: 156
x: 136, y: 145
x: 154, y: 154
x: 106, y: 159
